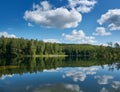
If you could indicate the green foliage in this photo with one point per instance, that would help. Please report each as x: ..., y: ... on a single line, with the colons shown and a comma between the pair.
x: 92, y: 51
x: 14, y: 47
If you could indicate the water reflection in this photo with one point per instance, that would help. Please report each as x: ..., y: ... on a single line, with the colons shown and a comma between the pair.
x: 58, y: 88
x: 104, y: 79
x: 79, y: 74
x: 6, y: 76
x: 104, y: 90
x: 24, y: 65
x: 59, y: 75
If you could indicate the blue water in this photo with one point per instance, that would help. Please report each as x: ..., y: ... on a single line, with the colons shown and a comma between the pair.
x: 64, y: 79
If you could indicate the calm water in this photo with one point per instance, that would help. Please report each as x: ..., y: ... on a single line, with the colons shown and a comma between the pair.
x: 59, y: 75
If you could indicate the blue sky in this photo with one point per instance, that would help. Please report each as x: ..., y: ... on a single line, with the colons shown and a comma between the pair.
x: 64, y: 21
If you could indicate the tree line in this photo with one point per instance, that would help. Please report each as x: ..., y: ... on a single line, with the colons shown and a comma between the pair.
x: 13, y: 47
x: 22, y: 47
x: 93, y: 51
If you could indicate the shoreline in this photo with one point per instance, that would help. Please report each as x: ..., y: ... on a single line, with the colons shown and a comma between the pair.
x: 46, y: 56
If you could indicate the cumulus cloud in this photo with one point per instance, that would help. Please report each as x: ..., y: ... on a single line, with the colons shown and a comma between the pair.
x: 46, y: 5
x: 79, y: 36
x: 83, y: 6
x: 30, y: 25
x: 112, y: 18
x: 103, y: 79
x: 117, y: 42
x: 51, y: 40
x: 101, y: 31
x: 5, y: 34
x: 45, y: 15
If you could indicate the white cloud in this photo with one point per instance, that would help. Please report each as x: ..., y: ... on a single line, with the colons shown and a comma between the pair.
x: 116, y: 84
x: 117, y: 42
x: 83, y: 6
x: 103, y: 79
x: 101, y: 31
x: 79, y: 36
x: 45, y: 15
x: 46, y: 5
x: 103, y: 44
x: 30, y: 25
x: 5, y: 34
x: 51, y: 40
x: 112, y: 18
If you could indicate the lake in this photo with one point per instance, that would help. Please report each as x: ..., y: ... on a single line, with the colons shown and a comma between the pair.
x: 59, y: 75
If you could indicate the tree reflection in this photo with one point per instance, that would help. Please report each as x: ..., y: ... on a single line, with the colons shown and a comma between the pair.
x: 32, y: 64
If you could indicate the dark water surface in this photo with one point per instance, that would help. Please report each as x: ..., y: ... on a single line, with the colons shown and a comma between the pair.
x: 59, y: 75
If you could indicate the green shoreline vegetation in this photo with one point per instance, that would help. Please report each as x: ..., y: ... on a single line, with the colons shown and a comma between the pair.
x: 19, y: 47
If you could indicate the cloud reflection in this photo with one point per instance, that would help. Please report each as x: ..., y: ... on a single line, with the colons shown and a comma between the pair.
x: 58, y: 88
x: 116, y: 84
x: 80, y: 74
x: 103, y: 79
x: 52, y: 70
x: 104, y: 90
x: 5, y: 76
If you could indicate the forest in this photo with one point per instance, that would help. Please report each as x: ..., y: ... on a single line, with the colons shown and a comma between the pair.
x: 19, y: 47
